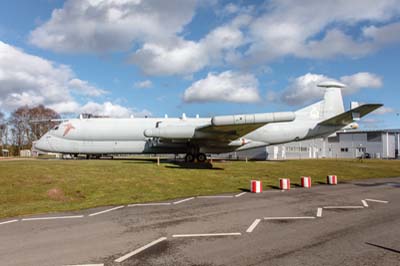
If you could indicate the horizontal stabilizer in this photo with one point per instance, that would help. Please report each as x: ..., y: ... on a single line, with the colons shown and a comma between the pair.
x: 348, y: 117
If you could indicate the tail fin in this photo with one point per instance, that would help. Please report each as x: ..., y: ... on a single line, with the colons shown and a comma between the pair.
x: 330, y: 106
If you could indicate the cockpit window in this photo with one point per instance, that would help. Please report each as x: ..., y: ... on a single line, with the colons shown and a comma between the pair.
x: 56, y: 128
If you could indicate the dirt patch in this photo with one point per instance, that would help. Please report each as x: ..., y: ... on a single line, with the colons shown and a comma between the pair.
x: 56, y: 194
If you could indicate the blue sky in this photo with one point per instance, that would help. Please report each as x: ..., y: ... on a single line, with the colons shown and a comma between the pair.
x: 122, y: 57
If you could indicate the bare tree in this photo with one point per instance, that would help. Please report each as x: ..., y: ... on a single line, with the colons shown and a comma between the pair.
x: 3, y: 128
x: 18, y: 121
x: 41, y: 121
x: 29, y: 124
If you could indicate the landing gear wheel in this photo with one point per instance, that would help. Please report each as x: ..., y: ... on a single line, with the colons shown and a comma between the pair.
x: 189, y: 158
x: 201, y: 157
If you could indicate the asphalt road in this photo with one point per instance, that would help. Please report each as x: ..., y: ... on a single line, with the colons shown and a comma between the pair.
x: 361, y: 233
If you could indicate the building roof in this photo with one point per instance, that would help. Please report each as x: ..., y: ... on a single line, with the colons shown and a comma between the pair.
x: 393, y: 130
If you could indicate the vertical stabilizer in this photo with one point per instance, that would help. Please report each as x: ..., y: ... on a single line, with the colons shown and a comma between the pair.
x: 333, y: 102
x: 330, y: 106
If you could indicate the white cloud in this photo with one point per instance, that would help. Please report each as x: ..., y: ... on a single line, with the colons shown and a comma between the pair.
x: 231, y: 8
x: 383, y: 110
x: 387, y: 34
x: 145, y: 84
x: 27, y: 79
x: 304, y: 89
x: 334, y: 43
x: 111, y: 25
x: 361, y: 80
x: 228, y: 86
x: 181, y: 56
x: 84, y: 88
x: 314, y: 29
x: 31, y: 80
x: 111, y: 110
x: 153, y: 31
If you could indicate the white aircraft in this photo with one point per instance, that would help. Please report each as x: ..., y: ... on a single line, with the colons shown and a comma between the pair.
x: 197, y: 137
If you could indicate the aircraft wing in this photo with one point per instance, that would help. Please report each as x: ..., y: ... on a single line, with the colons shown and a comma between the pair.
x: 231, y: 127
x: 348, y: 117
x: 221, y: 128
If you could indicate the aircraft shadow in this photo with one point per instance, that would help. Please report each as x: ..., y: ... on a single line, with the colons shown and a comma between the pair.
x: 175, y: 163
x: 139, y: 161
x: 186, y: 165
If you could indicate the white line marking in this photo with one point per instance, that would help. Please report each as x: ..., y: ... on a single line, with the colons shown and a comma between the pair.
x: 240, y: 194
x: 150, y: 204
x: 343, y: 207
x: 380, y: 201
x: 8, y: 222
x: 101, y: 264
x: 180, y: 201
x: 212, y: 197
x: 52, y: 218
x: 127, y: 256
x: 253, y: 225
x: 289, y: 218
x: 364, y: 202
x: 319, y: 212
x: 101, y: 212
x: 217, y: 234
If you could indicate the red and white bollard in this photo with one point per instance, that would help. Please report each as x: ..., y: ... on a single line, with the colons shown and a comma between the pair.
x: 284, y: 183
x: 256, y: 186
x: 306, y: 181
x: 331, y: 180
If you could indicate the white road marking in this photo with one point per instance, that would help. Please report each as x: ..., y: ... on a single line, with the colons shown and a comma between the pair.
x: 343, y: 207
x: 364, y: 202
x: 8, y: 222
x: 101, y: 264
x: 212, y: 197
x: 101, y: 212
x: 380, y: 201
x: 253, y: 225
x: 52, y: 218
x: 130, y: 254
x: 240, y: 194
x: 180, y: 201
x: 289, y: 218
x: 150, y: 204
x: 216, y: 234
x: 319, y: 212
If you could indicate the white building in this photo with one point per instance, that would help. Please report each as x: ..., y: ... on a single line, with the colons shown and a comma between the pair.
x: 383, y: 144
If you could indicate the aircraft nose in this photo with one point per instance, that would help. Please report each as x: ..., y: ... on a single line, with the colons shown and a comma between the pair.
x: 42, y: 144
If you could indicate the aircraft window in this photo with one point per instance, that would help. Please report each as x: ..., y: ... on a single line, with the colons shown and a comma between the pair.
x: 56, y: 128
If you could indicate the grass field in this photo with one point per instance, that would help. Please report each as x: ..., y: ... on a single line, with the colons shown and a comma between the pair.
x: 39, y: 186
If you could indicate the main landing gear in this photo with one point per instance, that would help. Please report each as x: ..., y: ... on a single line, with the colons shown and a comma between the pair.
x: 201, y: 157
